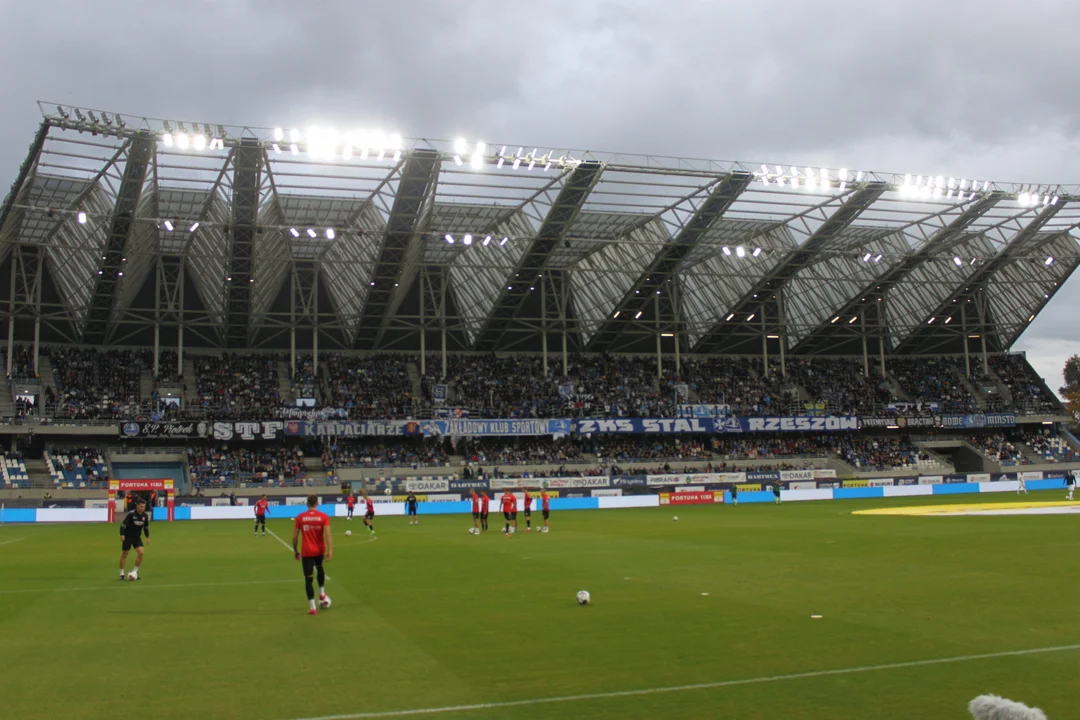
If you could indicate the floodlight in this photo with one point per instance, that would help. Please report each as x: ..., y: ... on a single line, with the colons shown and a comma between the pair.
x: 1023, y: 199
x: 294, y: 232
x: 547, y: 165
x: 948, y: 320
x: 503, y: 241
x: 194, y: 226
x: 907, y: 179
x: 866, y: 257
x: 501, y: 160
x: 1046, y: 199
x: 617, y: 313
x: 62, y: 111
x: 311, y: 233
x: 1049, y: 260
x: 730, y: 316
x: 878, y: 258
x: 638, y: 316
x: 199, y: 142
x: 449, y: 238
x: 467, y: 239
x: 960, y: 196
x: 277, y: 148
x: 120, y: 273
x: 330, y: 234
x: 972, y: 261
x: 740, y: 251
x: 457, y: 160
x: 168, y: 225
x: 532, y: 164
x: 931, y: 321
x: 279, y: 134
x: 294, y: 136
x: 517, y: 162
x: 487, y: 240
x: 833, y: 321
x: 1053, y: 201
x: 78, y: 114
x: 752, y: 316
x: 82, y: 218
x: 167, y: 138
x: 460, y: 146
x: 182, y: 141
x: 958, y: 261
x: 852, y: 319
x: 757, y: 251
x: 294, y: 149
x: 1031, y: 318
x: 726, y: 249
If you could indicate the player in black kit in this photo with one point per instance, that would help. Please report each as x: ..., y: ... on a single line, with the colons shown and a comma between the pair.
x: 410, y: 509
x: 134, y: 525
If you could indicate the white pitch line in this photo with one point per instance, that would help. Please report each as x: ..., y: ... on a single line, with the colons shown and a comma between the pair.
x: 8, y: 542
x: 685, y: 688
x: 148, y: 585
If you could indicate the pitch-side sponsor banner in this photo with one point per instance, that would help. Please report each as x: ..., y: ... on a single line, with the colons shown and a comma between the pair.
x: 126, y: 485
x: 467, y: 485
x: 559, y: 482
x: 695, y: 479
x: 828, y: 485
x: 297, y: 500
x: 855, y: 483
x: 1030, y: 475
x: 764, y: 476
x: 931, y: 480
x: 955, y: 479
x: 588, y: 426
x: 803, y: 485
x: 442, y: 497
x: 979, y: 420
x: 881, y: 482
x: 629, y: 481
x: 96, y: 504
x: 749, y: 487
x: 786, y: 475
x: 907, y: 481
x: 607, y: 492
x: 823, y: 474
x: 707, y: 497
x: 402, y: 498
x: 978, y: 477
x: 902, y: 421
x: 427, y: 486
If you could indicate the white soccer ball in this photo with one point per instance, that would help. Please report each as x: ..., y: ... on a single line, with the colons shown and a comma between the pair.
x: 132, y: 576
x: 325, y: 602
x: 676, y: 518
x: 474, y: 531
x: 348, y: 533
x: 583, y: 597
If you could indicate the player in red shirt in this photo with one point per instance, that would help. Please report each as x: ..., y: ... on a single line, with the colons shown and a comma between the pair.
x: 261, y: 506
x: 545, y: 507
x: 369, y: 512
x: 527, y: 509
x: 317, y: 546
x: 509, y: 511
x: 475, y: 511
x: 484, y: 500
x: 350, y: 502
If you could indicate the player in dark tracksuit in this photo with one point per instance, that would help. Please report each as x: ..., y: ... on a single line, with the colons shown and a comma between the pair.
x: 410, y: 509
x: 134, y: 525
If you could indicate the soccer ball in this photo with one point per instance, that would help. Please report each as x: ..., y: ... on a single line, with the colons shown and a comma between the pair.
x: 474, y: 531
x: 132, y: 576
x: 348, y: 533
x: 325, y: 603
x: 583, y: 597
x: 676, y: 518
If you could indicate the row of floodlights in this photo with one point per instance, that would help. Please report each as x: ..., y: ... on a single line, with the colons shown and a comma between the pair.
x: 807, y: 179
x: 957, y: 260
x: 740, y: 251
x: 467, y: 239
x: 106, y: 120
x: 200, y: 138
x: 927, y: 187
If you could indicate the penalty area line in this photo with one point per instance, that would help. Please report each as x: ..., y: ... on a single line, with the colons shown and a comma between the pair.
x: 147, y: 585
x: 8, y: 542
x: 699, y: 686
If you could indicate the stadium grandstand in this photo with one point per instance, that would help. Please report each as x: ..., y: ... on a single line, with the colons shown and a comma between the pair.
x: 253, y: 308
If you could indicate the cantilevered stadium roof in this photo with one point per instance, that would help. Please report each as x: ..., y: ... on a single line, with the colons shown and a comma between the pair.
x: 116, y: 223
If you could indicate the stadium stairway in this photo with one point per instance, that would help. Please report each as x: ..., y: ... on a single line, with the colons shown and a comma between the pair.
x: 39, y: 474
x: 146, y: 384
x: 414, y: 380
x: 1001, y: 388
x: 45, y: 371
x: 191, y: 390
x: 7, y: 404
x: 976, y: 392
x: 285, y: 389
x: 894, y: 388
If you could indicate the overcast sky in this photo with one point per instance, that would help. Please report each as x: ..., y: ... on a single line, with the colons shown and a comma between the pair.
x: 982, y: 88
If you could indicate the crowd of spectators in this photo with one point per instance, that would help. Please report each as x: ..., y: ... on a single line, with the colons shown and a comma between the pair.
x: 929, y: 380
x: 231, y: 385
x: 303, y: 380
x: 877, y: 453
x: 524, y: 451
x: 1049, y: 445
x: 219, y: 465
x: 1028, y: 392
x: 739, y: 383
x: 94, y: 385
x: 998, y: 448
x: 22, y: 363
x: 503, y: 387
x: 412, y: 453
x: 839, y: 385
x: 368, y: 386
x: 169, y: 375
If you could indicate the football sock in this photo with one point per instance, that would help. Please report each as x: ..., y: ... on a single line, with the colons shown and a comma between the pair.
x: 311, y: 603
x: 310, y: 588
x: 528, y: 523
x: 321, y: 578
x: 322, y: 591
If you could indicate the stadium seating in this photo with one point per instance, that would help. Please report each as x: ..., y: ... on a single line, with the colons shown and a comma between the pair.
x: 95, y: 385
x: 526, y: 451
x: 368, y: 386
x: 380, y: 453
x: 22, y: 363
x: 13, y: 472
x: 883, y: 454
x: 1050, y: 447
x: 998, y: 448
x: 237, y: 386
x: 1029, y: 393
x: 839, y: 385
x: 217, y: 465
x: 77, y: 469
x: 930, y: 380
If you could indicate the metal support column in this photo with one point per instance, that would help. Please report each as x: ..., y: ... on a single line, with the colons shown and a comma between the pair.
x: 764, y: 342
x: 543, y: 322
x: 865, y: 349
x: 659, y: 354
x: 442, y: 318
x: 423, y: 325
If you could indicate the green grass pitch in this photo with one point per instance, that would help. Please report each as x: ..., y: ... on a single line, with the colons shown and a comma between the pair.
x: 432, y: 617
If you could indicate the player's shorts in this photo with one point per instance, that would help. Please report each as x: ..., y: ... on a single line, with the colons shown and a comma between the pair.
x: 475, y: 515
x: 528, y: 512
x: 310, y: 563
x: 350, y: 508
x: 547, y: 514
x: 483, y: 516
x: 506, y: 515
x: 132, y: 543
x: 369, y: 516
x: 513, y: 515
x: 412, y: 509
x: 260, y: 519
